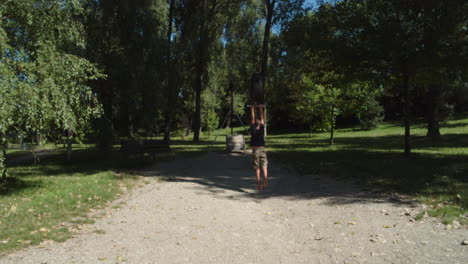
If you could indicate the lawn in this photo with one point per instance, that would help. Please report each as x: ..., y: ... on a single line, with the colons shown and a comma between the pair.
x: 436, y: 173
x: 37, y: 200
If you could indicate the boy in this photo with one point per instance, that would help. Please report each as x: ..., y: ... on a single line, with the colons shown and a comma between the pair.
x: 257, y: 142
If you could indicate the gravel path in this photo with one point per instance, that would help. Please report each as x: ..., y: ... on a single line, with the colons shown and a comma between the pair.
x: 205, y: 210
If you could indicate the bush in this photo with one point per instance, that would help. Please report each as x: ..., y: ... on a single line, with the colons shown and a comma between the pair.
x: 210, y: 121
x: 370, y: 114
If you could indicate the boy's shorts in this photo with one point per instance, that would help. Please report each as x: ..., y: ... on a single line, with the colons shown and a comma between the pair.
x: 259, y: 158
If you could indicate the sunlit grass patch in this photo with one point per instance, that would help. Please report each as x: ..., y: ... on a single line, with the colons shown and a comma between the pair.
x: 435, y: 174
x: 36, y: 200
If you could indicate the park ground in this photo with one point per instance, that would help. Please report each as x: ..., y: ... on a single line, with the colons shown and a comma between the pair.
x: 359, y: 201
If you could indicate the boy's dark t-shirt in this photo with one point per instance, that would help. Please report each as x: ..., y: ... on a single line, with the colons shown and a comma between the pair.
x: 258, y: 136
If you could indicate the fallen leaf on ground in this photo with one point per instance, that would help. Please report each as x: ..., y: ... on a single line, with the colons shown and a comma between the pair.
x: 44, y: 230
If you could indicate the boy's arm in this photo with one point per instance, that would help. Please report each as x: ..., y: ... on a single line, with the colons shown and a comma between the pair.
x: 252, y: 115
x: 262, y: 120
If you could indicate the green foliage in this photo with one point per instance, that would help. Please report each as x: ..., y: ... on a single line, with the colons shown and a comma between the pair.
x: 313, y: 106
x: 386, y: 42
x: 210, y: 104
x: 370, y: 114
x: 46, y: 90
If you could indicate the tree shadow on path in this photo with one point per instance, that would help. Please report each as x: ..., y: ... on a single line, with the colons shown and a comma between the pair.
x: 231, y: 177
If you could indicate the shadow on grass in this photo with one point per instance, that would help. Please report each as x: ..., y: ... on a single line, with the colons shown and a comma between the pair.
x: 15, y: 185
x: 25, y: 174
x: 455, y: 125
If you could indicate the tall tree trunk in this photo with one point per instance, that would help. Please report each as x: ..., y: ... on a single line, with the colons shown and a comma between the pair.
x: 3, y: 157
x: 197, y: 119
x: 266, y: 38
x: 105, y: 123
x: 332, y: 125
x: 203, y: 46
x: 69, y: 144
x: 131, y: 130
x: 270, y: 4
x: 170, y: 80
x: 407, y: 113
x: 434, y: 96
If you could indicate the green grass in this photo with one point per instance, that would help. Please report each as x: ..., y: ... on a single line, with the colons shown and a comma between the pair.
x: 38, y: 199
x: 436, y: 173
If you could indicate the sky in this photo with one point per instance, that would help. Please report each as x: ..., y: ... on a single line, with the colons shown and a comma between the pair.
x: 276, y: 29
x: 310, y: 3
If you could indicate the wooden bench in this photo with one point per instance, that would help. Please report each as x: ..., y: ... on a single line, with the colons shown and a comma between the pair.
x: 141, y: 146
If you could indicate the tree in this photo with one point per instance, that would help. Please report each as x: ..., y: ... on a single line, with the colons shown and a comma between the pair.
x: 46, y: 91
x: 133, y: 57
x: 380, y: 41
x: 210, y: 22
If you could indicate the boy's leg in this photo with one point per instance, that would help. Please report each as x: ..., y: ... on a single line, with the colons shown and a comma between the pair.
x: 264, y: 166
x: 265, y: 176
x: 256, y: 165
x: 257, y: 175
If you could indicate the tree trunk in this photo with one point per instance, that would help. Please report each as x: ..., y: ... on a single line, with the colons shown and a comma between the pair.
x: 202, y: 60
x: 38, y: 138
x: 266, y: 38
x: 156, y: 129
x: 69, y: 144
x: 197, y: 120
x: 105, y: 126
x: 407, y: 114
x: 131, y: 130
x: 434, y: 96
x: 433, y: 106
x: 170, y: 80
x: 270, y: 4
x: 3, y: 157
x: 332, y: 125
